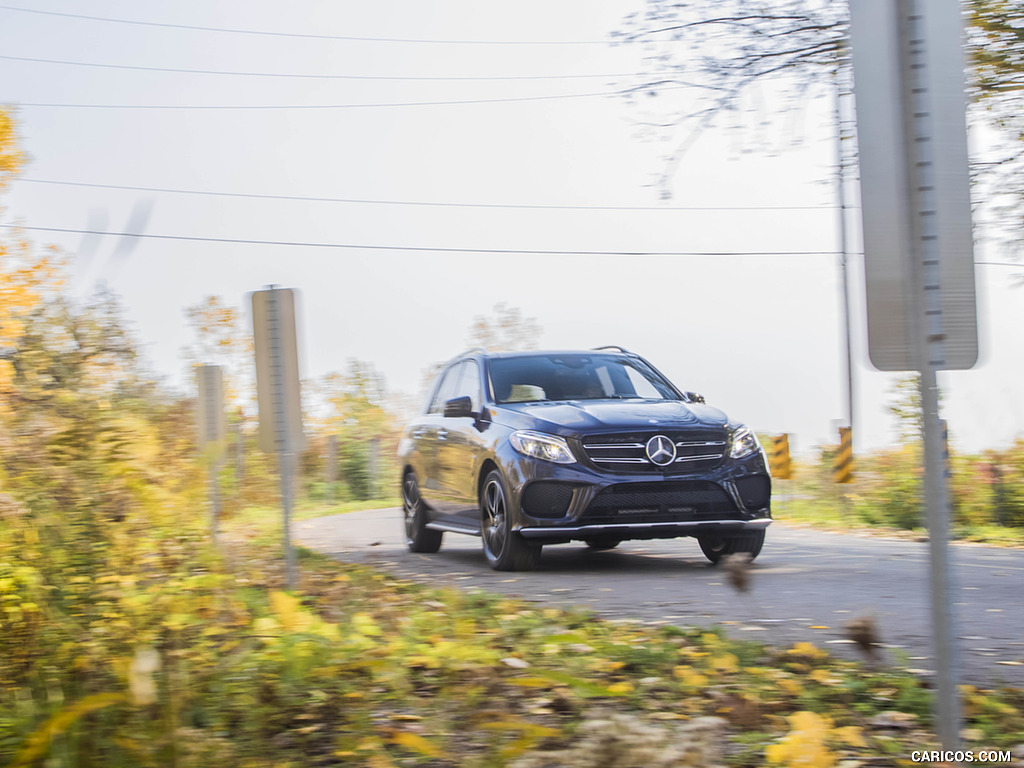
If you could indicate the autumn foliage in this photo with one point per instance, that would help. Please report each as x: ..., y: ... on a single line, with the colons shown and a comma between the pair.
x: 128, y: 638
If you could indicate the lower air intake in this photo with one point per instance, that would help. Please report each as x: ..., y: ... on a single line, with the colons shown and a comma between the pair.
x: 544, y: 499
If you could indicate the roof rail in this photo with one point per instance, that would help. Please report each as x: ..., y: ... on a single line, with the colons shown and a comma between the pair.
x: 467, y: 352
x: 614, y: 346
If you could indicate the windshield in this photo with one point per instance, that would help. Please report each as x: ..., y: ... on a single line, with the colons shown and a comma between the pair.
x: 575, y: 377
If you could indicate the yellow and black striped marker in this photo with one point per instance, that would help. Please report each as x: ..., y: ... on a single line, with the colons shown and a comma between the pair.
x: 842, y: 469
x: 778, y: 457
x: 946, y: 461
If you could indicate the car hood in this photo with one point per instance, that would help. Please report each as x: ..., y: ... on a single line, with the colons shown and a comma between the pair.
x: 575, y: 418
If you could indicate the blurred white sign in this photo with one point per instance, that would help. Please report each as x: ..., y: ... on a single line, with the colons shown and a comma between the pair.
x: 911, y: 131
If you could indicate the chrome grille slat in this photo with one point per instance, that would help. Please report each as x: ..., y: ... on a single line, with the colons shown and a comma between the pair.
x: 705, y: 457
x: 696, y: 450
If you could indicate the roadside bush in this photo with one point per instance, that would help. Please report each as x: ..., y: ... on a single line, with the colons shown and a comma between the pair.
x: 888, y: 489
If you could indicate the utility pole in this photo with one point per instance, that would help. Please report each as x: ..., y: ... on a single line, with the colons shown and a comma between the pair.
x: 844, y: 261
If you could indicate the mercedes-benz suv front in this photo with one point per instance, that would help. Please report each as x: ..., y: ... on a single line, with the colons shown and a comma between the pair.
x: 531, y: 448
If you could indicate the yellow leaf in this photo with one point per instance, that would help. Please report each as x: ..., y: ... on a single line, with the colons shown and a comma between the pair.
x: 823, y: 676
x: 416, y: 743
x: 808, y: 651
x: 727, y: 662
x: 286, y: 608
x: 365, y: 625
x: 804, y: 745
x: 689, y: 676
x: 850, y: 734
x: 38, y: 742
x: 792, y: 687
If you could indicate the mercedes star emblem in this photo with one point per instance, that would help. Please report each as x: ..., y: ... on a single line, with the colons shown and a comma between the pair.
x: 661, y: 450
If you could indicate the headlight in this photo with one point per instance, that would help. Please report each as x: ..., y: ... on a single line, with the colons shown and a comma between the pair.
x: 542, y: 446
x: 744, y: 443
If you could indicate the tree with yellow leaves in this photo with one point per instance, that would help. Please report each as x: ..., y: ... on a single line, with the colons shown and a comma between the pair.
x: 222, y: 338
x: 25, y: 277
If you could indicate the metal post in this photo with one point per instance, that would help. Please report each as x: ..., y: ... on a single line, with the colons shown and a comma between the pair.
x: 239, y: 454
x: 331, y: 468
x: 284, y: 453
x: 214, y: 499
x: 843, y: 254
x: 931, y: 359
x: 373, y: 465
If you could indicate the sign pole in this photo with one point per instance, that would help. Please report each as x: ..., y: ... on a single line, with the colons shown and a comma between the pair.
x: 212, y: 433
x: 278, y: 390
x: 931, y: 357
x: 214, y: 499
x: 275, y: 337
x: 918, y: 246
x: 330, y: 470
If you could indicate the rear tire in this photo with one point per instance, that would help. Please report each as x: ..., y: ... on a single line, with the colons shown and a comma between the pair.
x: 418, y: 537
x: 601, y: 544
x: 717, y: 547
x: 505, y: 549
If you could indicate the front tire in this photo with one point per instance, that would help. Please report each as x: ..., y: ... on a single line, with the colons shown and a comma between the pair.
x: 418, y: 537
x: 717, y: 547
x: 505, y: 549
x: 603, y: 543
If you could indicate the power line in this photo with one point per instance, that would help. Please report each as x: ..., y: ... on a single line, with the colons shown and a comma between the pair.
x: 552, y: 97
x: 316, y: 76
x: 418, y: 248
x: 431, y: 203
x: 307, y: 36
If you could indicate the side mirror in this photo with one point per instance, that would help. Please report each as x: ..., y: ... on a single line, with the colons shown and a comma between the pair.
x: 693, y: 397
x: 458, y: 407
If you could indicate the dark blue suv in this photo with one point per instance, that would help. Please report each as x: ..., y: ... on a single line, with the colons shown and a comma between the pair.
x: 531, y: 448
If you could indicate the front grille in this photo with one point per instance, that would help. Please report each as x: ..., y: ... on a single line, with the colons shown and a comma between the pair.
x: 545, y: 499
x: 696, y: 450
x: 660, y: 503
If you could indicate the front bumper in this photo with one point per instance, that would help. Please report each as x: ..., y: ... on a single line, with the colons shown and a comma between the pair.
x: 646, y: 530
x: 584, y: 502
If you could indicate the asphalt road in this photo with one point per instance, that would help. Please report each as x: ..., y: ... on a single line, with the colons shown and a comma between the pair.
x: 806, y: 585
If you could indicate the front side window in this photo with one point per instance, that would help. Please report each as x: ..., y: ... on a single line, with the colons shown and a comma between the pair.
x: 443, y: 393
x: 536, y: 378
x: 468, y: 384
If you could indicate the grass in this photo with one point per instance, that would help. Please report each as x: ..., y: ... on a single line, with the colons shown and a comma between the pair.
x: 505, y: 678
x: 271, y: 516
x: 204, y: 660
x: 812, y: 502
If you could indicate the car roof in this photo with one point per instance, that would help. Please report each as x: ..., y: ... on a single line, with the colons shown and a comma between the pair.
x: 482, y: 353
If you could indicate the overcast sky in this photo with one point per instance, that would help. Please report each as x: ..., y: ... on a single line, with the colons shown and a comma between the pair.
x: 757, y: 333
